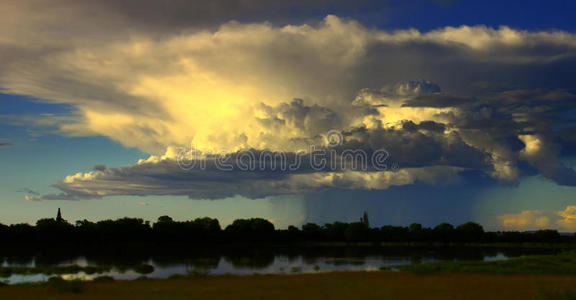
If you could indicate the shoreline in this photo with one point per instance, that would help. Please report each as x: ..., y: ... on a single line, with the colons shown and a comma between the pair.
x: 551, y: 245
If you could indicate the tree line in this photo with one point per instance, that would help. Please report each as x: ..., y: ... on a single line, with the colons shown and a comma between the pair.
x: 208, y: 230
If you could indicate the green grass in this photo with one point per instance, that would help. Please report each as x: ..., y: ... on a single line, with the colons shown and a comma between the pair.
x: 561, y: 264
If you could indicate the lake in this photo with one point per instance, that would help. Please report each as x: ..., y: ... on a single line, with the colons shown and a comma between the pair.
x: 126, y: 262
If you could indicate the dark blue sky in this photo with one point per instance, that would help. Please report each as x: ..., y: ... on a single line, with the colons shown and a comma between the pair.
x: 428, y: 15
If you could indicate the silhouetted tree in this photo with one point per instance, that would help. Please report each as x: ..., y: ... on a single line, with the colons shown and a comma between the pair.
x: 250, y: 229
x: 390, y: 233
x: 356, y: 232
x: 547, y: 235
x: 53, y: 230
x: 416, y: 232
x: 208, y: 230
x: 21, y: 232
x: 444, y: 232
x: 165, y: 219
x: 470, y: 232
x: 336, y: 231
x: 292, y: 228
x: 207, y: 224
x: 261, y: 226
x: 3, y: 232
x: 312, y: 231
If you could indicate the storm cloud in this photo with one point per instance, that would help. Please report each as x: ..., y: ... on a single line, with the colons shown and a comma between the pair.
x: 441, y: 103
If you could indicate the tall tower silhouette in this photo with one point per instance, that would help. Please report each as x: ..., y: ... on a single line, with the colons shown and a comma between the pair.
x: 364, y: 220
x: 59, y: 216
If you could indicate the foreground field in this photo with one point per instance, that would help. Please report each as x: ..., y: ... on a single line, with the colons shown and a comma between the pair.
x: 357, y: 285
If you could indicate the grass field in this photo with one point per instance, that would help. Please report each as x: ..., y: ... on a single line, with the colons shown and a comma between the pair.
x: 353, y: 285
x: 532, y: 277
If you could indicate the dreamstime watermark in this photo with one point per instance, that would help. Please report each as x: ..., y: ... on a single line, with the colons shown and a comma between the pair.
x: 330, y: 157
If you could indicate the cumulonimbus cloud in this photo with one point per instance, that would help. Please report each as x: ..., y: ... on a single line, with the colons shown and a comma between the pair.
x: 490, y: 104
x: 537, y: 219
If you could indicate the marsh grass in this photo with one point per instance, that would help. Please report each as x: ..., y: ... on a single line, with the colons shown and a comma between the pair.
x: 6, y: 272
x: 561, y: 264
x: 62, y: 286
x: 52, y: 270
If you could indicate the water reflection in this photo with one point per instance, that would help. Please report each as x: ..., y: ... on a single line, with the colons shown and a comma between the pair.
x: 131, y: 262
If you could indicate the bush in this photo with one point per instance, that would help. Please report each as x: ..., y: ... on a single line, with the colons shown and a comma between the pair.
x: 62, y: 286
x: 89, y: 270
x: 5, y: 272
x: 144, y: 269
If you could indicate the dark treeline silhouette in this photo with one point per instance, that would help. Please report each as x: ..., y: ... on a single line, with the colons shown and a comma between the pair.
x: 208, y: 230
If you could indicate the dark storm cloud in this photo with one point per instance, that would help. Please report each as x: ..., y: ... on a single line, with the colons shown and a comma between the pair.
x: 483, y: 134
x: 295, y: 114
x: 437, y: 100
x: 215, y: 181
x: 99, y: 168
x: 185, y: 13
x: 424, y: 125
x: 172, y: 16
x: 503, y: 109
x: 463, y: 70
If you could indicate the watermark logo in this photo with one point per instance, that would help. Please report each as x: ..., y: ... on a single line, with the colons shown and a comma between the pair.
x: 316, y: 158
x: 334, y: 138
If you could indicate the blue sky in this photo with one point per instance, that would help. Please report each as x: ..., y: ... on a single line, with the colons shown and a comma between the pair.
x: 59, y: 110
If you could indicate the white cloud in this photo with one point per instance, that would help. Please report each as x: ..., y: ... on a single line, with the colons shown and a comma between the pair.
x: 232, y: 88
x: 568, y: 218
x: 205, y: 86
x: 526, y: 220
x: 564, y: 220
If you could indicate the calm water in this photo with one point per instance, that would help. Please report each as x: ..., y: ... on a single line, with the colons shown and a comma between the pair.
x: 174, y: 259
